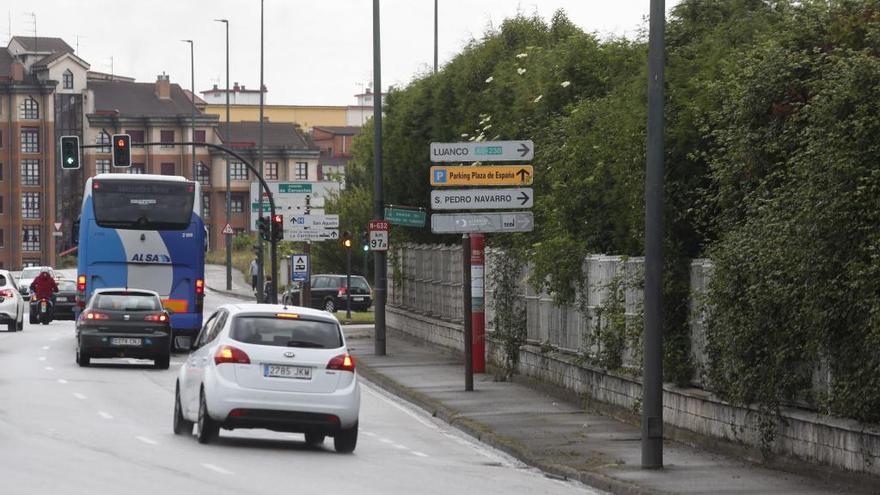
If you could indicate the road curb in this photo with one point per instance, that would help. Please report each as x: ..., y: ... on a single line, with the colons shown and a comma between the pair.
x: 231, y: 294
x: 487, y: 435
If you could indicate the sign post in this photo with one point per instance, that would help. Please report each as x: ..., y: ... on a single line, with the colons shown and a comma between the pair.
x: 468, y: 315
x: 478, y: 303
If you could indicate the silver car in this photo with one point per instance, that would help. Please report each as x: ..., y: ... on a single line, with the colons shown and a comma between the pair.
x: 12, y: 304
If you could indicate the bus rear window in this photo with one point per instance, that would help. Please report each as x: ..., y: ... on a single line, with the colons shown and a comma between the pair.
x: 143, y: 205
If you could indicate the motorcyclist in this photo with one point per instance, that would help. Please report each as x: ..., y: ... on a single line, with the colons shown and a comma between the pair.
x: 44, y: 287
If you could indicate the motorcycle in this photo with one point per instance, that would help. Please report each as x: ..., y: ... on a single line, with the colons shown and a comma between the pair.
x: 42, y: 311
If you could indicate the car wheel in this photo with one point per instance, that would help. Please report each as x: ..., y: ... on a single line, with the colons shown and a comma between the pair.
x: 162, y: 363
x: 182, y: 426
x: 346, y: 440
x: 21, y: 322
x: 82, y: 358
x: 314, y: 439
x: 330, y: 306
x: 208, y: 428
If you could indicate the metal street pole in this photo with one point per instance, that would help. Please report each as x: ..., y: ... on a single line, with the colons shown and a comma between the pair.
x: 273, y: 244
x: 228, y: 193
x: 652, y: 375
x: 260, y: 295
x: 348, y: 281
x: 435, y: 36
x: 192, y: 116
x: 380, y: 282
x: 468, y: 314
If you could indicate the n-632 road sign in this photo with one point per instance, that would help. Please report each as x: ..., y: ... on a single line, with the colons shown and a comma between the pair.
x: 485, y: 151
x: 482, y: 199
x: 379, y: 235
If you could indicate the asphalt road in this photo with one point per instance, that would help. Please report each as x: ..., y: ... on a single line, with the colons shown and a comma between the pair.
x: 107, y: 429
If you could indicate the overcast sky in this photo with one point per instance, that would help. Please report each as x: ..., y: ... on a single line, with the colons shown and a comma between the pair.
x: 316, y: 51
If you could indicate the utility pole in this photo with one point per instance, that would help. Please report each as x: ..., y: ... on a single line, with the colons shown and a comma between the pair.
x: 435, y: 36
x: 380, y: 282
x: 260, y: 296
x: 228, y: 174
x: 192, y: 115
x: 652, y: 374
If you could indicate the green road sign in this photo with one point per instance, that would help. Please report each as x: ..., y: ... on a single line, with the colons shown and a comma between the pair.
x: 256, y: 207
x: 294, y: 188
x: 405, y: 217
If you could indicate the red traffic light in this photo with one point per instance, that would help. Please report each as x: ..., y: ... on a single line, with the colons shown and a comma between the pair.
x: 120, y: 143
x: 278, y: 219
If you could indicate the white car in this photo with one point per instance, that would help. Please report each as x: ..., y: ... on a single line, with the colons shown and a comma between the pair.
x: 12, y: 304
x: 27, y: 276
x: 283, y: 368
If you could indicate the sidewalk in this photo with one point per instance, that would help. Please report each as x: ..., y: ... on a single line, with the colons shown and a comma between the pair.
x: 215, y: 279
x: 559, y: 437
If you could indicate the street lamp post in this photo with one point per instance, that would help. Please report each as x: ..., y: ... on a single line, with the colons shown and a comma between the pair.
x: 380, y: 282
x: 228, y: 193
x: 435, y: 36
x: 192, y: 116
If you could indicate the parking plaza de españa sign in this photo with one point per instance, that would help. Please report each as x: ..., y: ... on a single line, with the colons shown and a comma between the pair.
x: 495, y: 175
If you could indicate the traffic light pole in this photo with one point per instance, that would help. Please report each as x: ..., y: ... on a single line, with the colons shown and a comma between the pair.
x: 348, y: 282
x: 380, y: 281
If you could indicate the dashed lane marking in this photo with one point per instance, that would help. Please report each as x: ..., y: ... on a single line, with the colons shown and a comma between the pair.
x: 42, y: 358
x: 216, y: 469
x: 49, y: 368
x: 419, y: 454
x: 79, y: 396
x: 62, y: 381
x: 385, y: 440
x: 105, y: 415
x: 401, y: 447
x: 148, y: 441
x: 45, y: 348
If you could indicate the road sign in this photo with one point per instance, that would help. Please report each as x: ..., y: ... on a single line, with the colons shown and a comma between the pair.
x: 311, y: 235
x: 299, y: 271
x: 292, y: 198
x: 57, y: 226
x: 405, y: 217
x: 464, y: 223
x: 379, y: 235
x: 304, y: 222
x: 495, y: 175
x: 228, y: 230
x: 486, y: 151
x: 482, y: 199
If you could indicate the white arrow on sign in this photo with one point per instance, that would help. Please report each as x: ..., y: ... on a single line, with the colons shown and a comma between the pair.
x: 464, y: 223
x: 482, y: 199
x: 485, y: 151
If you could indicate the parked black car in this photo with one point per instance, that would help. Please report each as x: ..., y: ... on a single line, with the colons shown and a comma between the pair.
x: 124, y: 323
x: 65, y: 300
x: 330, y: 293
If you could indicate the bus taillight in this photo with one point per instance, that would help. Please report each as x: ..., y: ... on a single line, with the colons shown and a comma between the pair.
x: 200, y: 295
x: 81, y: 291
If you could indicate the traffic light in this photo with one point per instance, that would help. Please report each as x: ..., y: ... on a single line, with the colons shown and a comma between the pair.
x: 278, y: 227
x: 70, y: 158
x: 366, y: 241
x: 346, y: 239
x: 264, y: 228
x: 121, y: 150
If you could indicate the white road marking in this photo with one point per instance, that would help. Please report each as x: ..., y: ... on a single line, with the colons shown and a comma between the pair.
x: 45, y: 348
x: 42, y: 358
x: 49, y: 368
x: 105, y: 415
x: 385, y: 440
x: 216, y: 469
x: 53, y: 339
x: 79, y: 396
x: 62, y: 381
x: 401, y: 447
x: 419, y: 454
x: 148, y: 441
x: 368, y: 433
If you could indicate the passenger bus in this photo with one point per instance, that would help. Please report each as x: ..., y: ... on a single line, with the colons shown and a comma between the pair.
x: 145, y: 232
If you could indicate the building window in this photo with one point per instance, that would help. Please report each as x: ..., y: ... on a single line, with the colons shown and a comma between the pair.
x: 1, y: 205
x: 166, y: 138
x: 30, y: 140
x: 237, y: 203
x: 30, y: 240
x: 238, y: 171
x: 302, y: 171
x: 203, y: 174
x: 29, y: 109
x: 67, y: 79
x: 1, y: 138
x: 2, y: 239
x: 136, y: 136
x: 199, y: 137
x: 137, y: 169
x: 30, y: 172
x: 271, y: 172
x: 102, y: 166
x: 104, y: 140
x: 167, y: 169
x: 206, y: 205
x: 1, y: 170
x: 30, y: 205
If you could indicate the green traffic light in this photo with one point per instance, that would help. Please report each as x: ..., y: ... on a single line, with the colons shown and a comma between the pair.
x: 366, y: 248
x: 70, y: 160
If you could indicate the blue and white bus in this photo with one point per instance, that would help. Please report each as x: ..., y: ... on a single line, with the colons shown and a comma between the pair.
x: 145, y: 232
